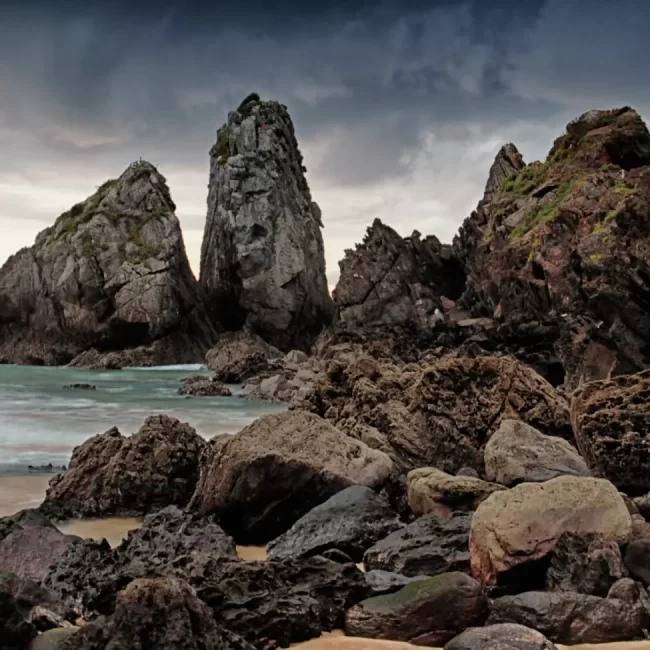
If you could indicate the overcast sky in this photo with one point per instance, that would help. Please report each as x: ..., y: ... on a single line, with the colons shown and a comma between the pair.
x: 399, y: 106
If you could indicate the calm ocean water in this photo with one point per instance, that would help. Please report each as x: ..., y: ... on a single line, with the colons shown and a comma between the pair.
x: 41, y: 421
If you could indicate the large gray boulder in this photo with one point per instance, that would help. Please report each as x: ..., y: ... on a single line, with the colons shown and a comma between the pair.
x: 262, y: 258
x: 270, y: 474
x: 518, y: 453
x: 108, y: 285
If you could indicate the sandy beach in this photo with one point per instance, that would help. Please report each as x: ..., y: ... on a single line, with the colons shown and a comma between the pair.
x: 20, y: 492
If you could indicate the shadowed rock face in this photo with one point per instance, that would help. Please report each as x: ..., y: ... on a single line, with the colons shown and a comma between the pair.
x: 108, y: 284
x: 568, y: 239
x: 391, y: 280
x: 262, y: 259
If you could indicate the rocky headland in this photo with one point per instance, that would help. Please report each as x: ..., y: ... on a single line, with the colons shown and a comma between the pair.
x: 464, y: 461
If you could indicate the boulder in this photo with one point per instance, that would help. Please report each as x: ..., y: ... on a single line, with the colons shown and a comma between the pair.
x: 386, y: 582
x: 108, y: 285
x: 15, y: 631
x: 156, y: 613
x: 350, y: 521
x: 637, y: 560
x: 518, y: 453
x: 502, y: 636
x: 29, y: 550
x: 586, y: 564
x: 572, y: 618
x: 52, y: 639
x: 262, y: 257
x: 277, y: 469
x: 611, y: 420
x: 391, y: 280
x: 429, y: 546
x: 431, y: 491
x: 237, y: 356
x: 111, y: 474
x: 204, y: 387
x: 524, y: 524
x: 437, y: 414
x: 427, y: 612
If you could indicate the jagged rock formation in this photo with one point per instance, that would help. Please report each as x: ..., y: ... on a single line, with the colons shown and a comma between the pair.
x: 390, y: 280
x: 108, y: 284
x: 262, y: 259
x: 568, y: 240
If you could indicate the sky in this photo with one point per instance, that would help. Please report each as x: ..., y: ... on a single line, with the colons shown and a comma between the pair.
x: 399, y: 106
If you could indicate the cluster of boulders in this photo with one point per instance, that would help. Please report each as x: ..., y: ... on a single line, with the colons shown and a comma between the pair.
x: 459, y: 503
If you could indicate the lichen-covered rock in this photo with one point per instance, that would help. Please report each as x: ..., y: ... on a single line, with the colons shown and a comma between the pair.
x: 572, y: 618
x: 587, y: 564
x: 433, y: 492
x: 524, y: 524
x: 162, y: 613
x: 502, y: 636
x: 436, y: 414
x: 111, y: 474
x: 518, y: 453
x: 392, y: 280
x: 262, y: 258
x: 427, y: 612
x: 350, y: 521
x: 429, y: 546
x: 568, y: 239
x: 109, y: 279
x: 611, y: 421
x: 277, y: 469
x: 387, y: 582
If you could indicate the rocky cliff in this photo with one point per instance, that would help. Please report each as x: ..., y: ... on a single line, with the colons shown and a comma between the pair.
x: 568, y: 240
x: 391, y: 280
x: 108, y: 284
x: 262, y: 259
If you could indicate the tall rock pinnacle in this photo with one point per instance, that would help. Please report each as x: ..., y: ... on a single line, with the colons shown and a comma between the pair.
x: 108, y: 284
x: 262, y: 259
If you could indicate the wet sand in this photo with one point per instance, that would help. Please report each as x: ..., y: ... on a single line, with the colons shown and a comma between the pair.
x: 22, y: 491
x: 113, y: 529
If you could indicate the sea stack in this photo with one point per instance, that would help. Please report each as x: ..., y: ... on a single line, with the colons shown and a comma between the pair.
x: 108, y: 285
x: 262, y: 259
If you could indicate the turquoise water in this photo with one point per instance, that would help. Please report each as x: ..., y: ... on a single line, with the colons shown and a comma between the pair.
x: 41, y: 421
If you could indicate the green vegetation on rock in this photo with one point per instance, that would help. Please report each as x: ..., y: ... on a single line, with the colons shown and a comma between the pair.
x: 623, y: 189
x: 247, y: 104
x: 222, y: 146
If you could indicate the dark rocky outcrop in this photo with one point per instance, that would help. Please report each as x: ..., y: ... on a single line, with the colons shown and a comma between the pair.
x: 108, y: 285
x: 429, y: 546
x: 427, y: 612
x: 262, y: 480
x: 268, y: 272
x: 162, y: 613
x: 111, y: 474
x: 350, y: 521
x: 390, y: 280
x: 572, y: 618
x: 502, y: 636
x: 522, y: 525
x: 587, y: 564
x: 611, y: 420
x: 15, y: 631
x: 199, y: 386
x: 518, y: 453
x: 568, y: 239
x: 238, y: 356
x: 436, y: 414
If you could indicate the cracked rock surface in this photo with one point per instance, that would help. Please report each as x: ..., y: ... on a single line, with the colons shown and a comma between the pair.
x: 108, y: 285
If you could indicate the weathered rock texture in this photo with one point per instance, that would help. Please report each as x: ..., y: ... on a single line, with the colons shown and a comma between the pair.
x: 439, y: 414
x: 518, y: 453
x: 567, y: 241
x: 109, y: 284
x: 524, y: 524
x: 391, y: 280
x: 111, y: 474
x: 262, y: 259
x: 502, y: 636
x: 274, y: 471
x: 611, y: 421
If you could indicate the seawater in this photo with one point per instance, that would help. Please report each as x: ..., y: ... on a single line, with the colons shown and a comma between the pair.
x: 41, y: 421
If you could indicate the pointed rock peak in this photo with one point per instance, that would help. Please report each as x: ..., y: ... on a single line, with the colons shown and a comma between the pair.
x: 507, y: 163
x: 142, y: 187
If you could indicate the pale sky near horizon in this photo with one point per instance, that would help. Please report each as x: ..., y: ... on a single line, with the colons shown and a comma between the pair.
x: 399, y: 107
